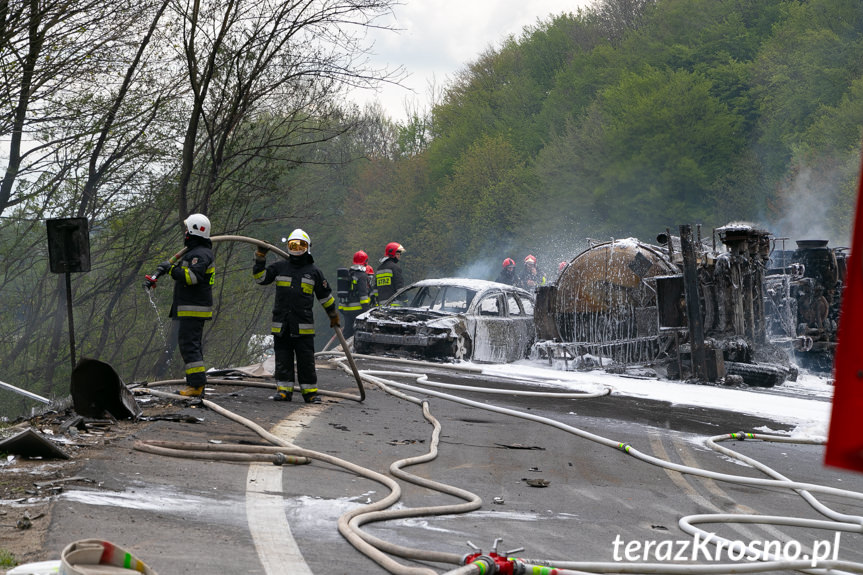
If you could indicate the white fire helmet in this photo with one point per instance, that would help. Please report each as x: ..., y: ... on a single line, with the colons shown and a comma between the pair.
x: 299, y: 243
x: 198, y: 225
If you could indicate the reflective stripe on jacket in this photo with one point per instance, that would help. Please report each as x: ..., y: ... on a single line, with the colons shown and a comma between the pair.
x: 358, y: 296
x: 194, y: 276
x: 298, y: 283
x: 388, y: 279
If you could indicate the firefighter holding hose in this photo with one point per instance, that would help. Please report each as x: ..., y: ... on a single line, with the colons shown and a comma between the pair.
x: 298, y: 283
x: 193, y: 272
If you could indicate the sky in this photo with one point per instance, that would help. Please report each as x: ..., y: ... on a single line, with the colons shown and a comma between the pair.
x: 437, y: 38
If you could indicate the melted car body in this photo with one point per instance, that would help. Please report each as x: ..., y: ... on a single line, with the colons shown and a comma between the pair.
x: 450, y: 318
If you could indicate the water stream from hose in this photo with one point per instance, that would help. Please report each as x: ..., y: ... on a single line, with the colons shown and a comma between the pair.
x: 166, y: 351
x: 158, y: 317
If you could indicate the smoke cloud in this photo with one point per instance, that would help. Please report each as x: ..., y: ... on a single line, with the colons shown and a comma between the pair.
x: 807, y: 203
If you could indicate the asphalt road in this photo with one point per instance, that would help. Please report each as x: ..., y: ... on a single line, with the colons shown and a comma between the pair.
x: 203, y: 516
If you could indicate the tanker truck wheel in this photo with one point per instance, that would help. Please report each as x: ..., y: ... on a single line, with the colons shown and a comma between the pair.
x: 757, y: 375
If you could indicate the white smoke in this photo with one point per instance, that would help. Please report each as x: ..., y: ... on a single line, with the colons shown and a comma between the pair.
x: 807, y: 205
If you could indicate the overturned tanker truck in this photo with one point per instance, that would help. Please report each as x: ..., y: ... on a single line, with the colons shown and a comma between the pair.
x: 803, y: 291
x: 687, y: 309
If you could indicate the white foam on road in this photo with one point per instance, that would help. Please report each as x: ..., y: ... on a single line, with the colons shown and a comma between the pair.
x: 804, y: 404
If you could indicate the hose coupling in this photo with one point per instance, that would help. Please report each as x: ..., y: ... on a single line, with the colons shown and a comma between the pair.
x: 279, y: 458
x: 624, y: 447
x: 494, y: 564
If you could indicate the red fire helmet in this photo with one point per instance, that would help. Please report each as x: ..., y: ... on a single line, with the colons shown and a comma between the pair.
x: 392, y: 249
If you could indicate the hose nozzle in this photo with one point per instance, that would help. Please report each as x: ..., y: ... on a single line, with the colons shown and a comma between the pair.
x: 150, y: 281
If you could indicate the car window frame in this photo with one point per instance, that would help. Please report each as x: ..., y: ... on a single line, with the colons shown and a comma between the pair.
x: 519, y: 305
x: 531, y: 301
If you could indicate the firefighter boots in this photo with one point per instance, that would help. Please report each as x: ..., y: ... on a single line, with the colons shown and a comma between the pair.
x: 190, y: 391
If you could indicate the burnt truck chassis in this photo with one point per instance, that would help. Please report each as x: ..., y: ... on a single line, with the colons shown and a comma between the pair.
x: 759, y: 311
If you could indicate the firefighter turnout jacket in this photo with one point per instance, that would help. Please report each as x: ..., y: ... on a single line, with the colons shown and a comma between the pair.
x: 193, y: 277
x: 388, y: 278
x: 298, y: 283
x: 358, y: 299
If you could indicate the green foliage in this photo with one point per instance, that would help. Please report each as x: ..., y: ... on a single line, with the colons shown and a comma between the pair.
x: 386, y: 204
x: 503, y: 92
x: 810, y: 60
x: 633, y: 153
x: 480, y: 209
x: 620, y: 120
x: 7, y: 559
x: 703, y: 112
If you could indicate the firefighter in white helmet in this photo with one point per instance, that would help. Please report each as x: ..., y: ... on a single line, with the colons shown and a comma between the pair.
x: 193, y: 275
x: 298, y: 283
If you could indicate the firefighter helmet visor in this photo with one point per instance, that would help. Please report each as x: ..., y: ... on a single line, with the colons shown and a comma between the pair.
x: 297, y: 247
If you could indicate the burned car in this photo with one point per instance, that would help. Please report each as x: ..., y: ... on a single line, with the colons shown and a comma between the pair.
x: 451, y: 318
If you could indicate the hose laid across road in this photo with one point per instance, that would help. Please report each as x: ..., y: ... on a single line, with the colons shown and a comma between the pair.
x: 349, y: 524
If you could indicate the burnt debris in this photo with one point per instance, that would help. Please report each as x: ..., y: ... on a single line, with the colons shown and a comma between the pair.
x: 739, y: 305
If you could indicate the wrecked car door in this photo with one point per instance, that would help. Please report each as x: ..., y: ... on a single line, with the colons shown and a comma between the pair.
x: 493, y: 333
x: 520, y: 310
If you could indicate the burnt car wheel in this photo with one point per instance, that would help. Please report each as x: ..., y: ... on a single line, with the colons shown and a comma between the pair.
x: 461, y: 348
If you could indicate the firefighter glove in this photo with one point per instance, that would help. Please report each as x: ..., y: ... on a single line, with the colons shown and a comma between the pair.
x: 261, y: 253
x: 334, y: 321
x: 163, y: 268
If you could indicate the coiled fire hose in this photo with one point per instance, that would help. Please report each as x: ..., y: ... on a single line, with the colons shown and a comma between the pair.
x: 839, y: 522
x: 350, y: 523
x: 376, y: 549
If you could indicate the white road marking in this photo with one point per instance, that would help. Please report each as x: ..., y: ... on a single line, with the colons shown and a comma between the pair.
x: 265, y: 507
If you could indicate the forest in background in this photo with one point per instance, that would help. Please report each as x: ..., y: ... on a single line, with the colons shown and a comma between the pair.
x: 620, y: 120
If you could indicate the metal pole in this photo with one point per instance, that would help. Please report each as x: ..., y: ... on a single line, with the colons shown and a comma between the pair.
x: 693, y: 305
x: 24, y: 392
x: 69, y: 313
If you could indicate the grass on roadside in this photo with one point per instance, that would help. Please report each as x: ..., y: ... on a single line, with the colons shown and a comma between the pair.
x: 7, y: 559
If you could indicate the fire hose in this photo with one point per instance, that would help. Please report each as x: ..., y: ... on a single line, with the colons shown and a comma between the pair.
x: 839, y: 522
x: 151, y: 280
x: 376, y: 549
x: 349, y: 524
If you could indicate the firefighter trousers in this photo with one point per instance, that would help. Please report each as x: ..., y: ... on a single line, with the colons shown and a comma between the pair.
x: 286, y: 347
x: 190, y: 334
x: 348, y: 318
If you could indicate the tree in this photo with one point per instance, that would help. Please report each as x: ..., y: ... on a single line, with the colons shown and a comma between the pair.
x: 649, y: 151
x: 246, y: 58
x: 809, y: 61
x: 98, y: 118
x: 57, y: 55
x: 479, y: 212
x: 618, y: 17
